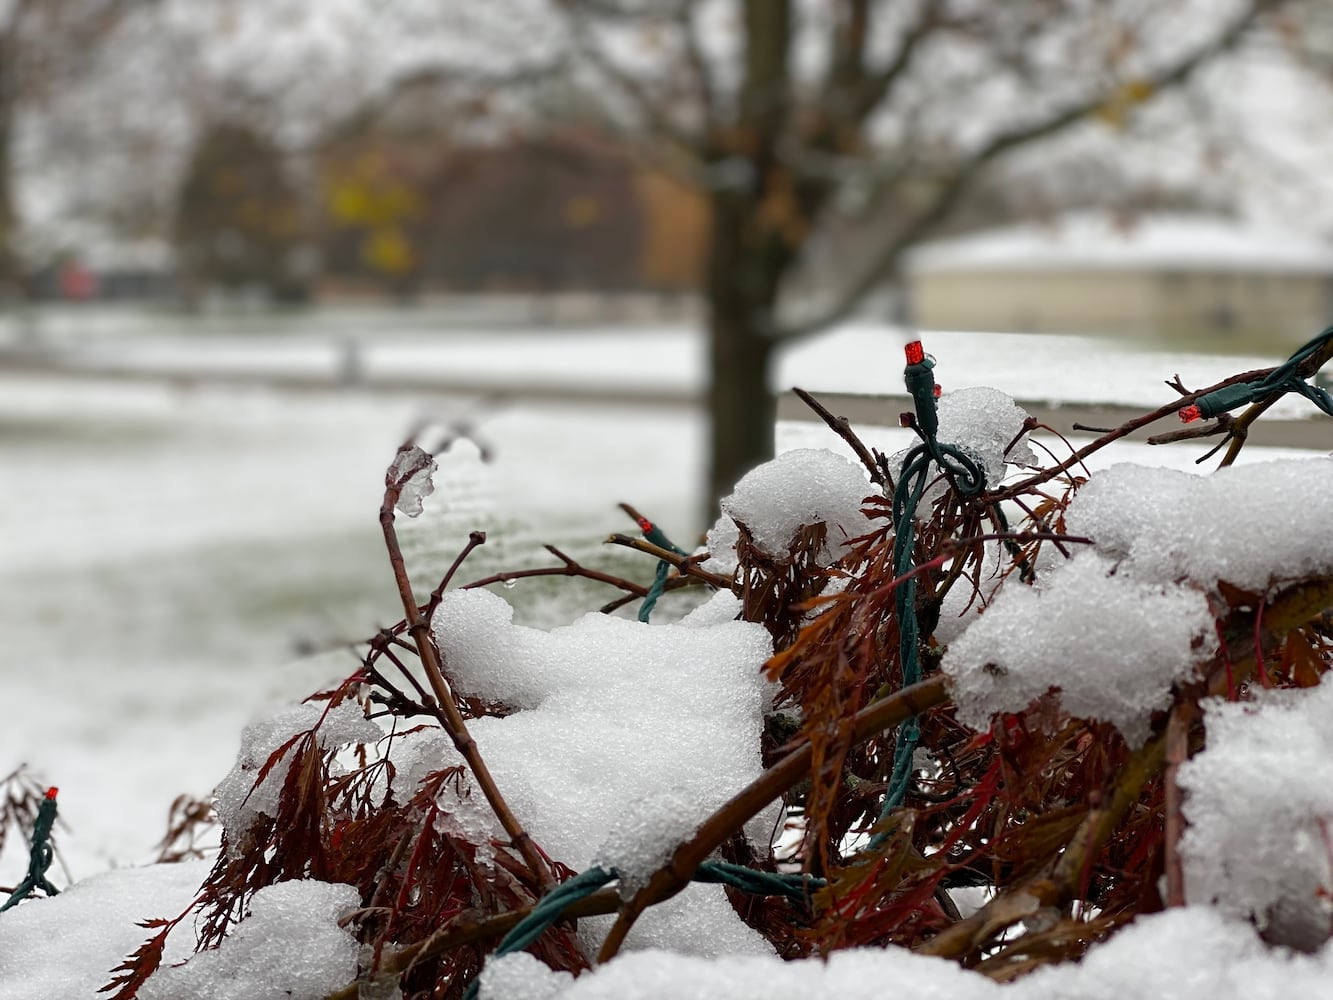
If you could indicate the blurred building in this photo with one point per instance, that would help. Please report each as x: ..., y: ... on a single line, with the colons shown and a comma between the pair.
x: 1181, y: 278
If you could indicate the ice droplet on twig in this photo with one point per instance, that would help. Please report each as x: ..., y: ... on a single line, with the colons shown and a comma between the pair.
x: 412, y: 470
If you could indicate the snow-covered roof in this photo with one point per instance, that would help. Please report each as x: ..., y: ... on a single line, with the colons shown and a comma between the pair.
x: 1098, y: 241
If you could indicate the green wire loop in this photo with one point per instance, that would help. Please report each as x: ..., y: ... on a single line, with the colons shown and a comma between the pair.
x: 551, y: 907
x: 40, y: 855
x: 969, y: 480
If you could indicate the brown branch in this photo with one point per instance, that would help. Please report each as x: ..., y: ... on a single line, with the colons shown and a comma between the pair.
x: 570, y: 567
x: 674, y: 583
x: 1125, y: 429
x: 843, y: 428
x: 474, y: 539
x: 472, y: 930
x: 722, y: 824
x: 789, y: 771
x: 1292, y: 608
x: 686, y: 565
x: 1059, y: 887
x: 431, y: 663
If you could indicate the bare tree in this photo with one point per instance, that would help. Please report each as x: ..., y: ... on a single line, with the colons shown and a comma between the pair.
x: 781, y: 110
x: 43, y: 44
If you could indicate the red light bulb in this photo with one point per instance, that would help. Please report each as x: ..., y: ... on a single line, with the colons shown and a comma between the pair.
x: 916, y: 353
x: 1190, y: 414
x: 52, y: 792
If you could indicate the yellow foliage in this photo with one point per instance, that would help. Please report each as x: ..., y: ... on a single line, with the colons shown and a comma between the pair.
x: 367, y: 196
x: 388, y: 250
x: 1116, y: 108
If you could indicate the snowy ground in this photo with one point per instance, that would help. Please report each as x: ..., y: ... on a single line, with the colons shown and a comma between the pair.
x: 168, y: 550
x: 665, y: 360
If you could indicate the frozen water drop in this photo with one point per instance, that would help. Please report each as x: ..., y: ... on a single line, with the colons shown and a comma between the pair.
x: 411, y: 472
x: 510, y: 584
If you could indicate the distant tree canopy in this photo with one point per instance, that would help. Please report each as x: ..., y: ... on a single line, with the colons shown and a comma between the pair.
x: 240, y: 222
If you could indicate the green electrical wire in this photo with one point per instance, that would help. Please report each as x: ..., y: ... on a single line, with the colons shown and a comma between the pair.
x: 40, y: 854
x: 551, y: 907
x: 968, y: 479
x: 1283, y: 379
x: 656, y: 536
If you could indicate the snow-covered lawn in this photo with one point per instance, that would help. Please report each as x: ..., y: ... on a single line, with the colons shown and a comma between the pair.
x: 168, y: 550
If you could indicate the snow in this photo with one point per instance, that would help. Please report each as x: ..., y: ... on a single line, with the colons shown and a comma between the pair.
x: 1162, y: 540
x: 1098, y: 241
x: 590, y: 765
x: 799, y: 488
x: 288, y: 947
x: 1249, y: 525
x: 1183, y: 954
x: 659, y: 362
x: 66, y: 946
x: 985, y: 423
x: 1111, y: 644
x: 1260, y: 810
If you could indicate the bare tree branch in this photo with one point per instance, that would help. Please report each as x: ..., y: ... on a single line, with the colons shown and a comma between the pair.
x: 965, y: 174
x: 698, y: 65
x: 652, y: 107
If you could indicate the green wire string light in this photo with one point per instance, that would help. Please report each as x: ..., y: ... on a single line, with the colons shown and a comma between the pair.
x: 1283, y: 379
x: 551, y: 907
x: 655, y: 535
x: 968, y: 480
x: 40, y: 855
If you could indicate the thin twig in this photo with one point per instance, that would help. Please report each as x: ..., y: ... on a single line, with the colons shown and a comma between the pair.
x: 450, y: 717
x: 474, y: 539
x: 568, y: 567
x: 686, y: 565
x: 841, y: 427
x: 1125, y: 429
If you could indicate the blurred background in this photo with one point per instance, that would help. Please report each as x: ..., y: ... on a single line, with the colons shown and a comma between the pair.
x: 245, y: 245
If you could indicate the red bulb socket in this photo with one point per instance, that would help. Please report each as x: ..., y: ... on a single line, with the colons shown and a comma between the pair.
x: 938, y: 391
x: 916, y: 353
x: 1190, y: 414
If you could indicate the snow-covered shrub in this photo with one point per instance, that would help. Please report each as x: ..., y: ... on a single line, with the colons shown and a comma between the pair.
x: 1087, y: 744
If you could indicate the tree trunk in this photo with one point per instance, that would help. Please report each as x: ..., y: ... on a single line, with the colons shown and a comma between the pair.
x: 752, y: 247
x: 743, y: 279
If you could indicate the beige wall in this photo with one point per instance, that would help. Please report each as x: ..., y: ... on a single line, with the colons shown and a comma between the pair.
x: 1239, y: 307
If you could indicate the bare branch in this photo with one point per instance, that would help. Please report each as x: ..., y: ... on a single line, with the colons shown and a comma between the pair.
x: 455, y: 726
x: 655, y: 109
x: 877, y: 87
x: 698, y: 65
x: 966, y: 173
